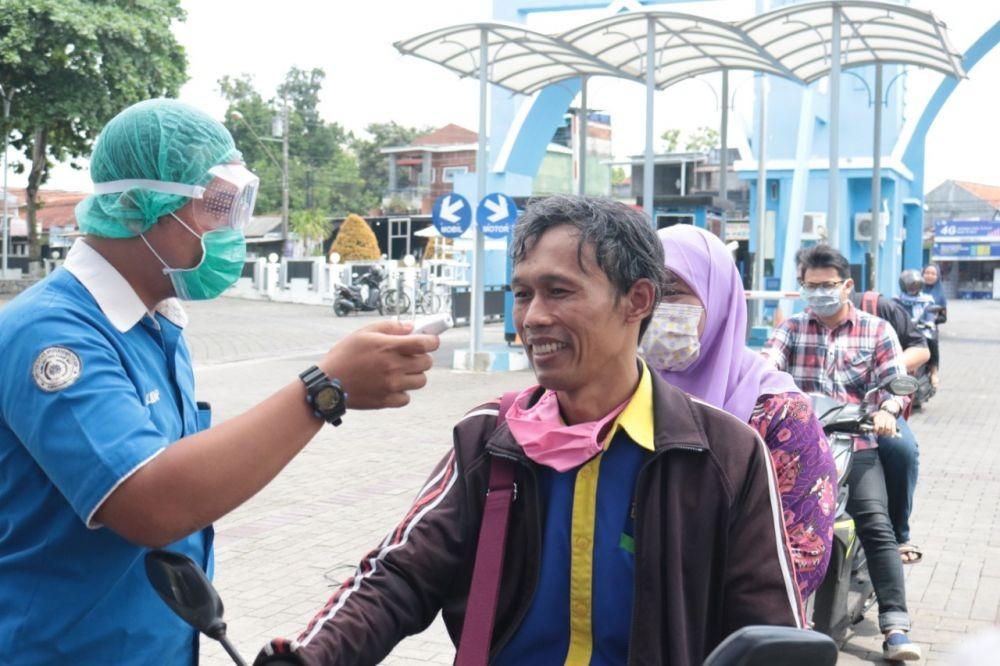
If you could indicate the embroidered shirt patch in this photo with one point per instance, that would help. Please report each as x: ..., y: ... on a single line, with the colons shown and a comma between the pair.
x: 56, y: 368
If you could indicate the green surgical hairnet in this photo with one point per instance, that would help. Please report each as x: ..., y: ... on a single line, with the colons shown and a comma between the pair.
x: 159, y: 139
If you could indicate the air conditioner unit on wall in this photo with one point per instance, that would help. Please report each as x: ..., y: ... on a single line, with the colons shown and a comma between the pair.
x: 863, y: 226
x: 814, y: 226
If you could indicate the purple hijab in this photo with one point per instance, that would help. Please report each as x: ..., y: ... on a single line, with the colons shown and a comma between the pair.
x: 726, y: 374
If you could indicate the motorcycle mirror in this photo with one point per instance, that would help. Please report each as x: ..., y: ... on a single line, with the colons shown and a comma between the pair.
x: 184, y: 587
x: 903, y: 385
x: 759, y: 645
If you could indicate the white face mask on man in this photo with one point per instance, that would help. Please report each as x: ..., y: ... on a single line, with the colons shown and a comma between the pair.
x: 671, y: 342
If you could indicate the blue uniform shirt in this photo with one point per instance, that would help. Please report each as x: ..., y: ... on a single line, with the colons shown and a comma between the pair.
x: 92, y: 387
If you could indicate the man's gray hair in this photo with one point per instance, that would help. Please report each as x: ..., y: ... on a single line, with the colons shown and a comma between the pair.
x: 625, y: 246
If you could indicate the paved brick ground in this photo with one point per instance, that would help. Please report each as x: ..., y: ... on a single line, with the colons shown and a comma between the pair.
x: 955, y: 591
x: 280, y: 555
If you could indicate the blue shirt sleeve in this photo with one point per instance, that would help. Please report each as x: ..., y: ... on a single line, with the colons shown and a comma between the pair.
x: 93, y: 433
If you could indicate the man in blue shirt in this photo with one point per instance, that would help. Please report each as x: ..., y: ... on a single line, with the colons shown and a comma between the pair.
x: 104, y: 451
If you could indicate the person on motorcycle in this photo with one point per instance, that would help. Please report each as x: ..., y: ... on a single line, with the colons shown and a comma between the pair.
x: 900, y: 454
x: 834, y: 349
x: 646, y: 525
x: 924, y: 312
x: 933, y: 286
x: 697, y: 342
x: 105, y: 451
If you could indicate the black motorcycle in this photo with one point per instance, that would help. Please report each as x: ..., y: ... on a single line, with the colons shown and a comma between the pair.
x: 929, y: 329
x: 363, y: 296
x: 184, y: 587
x: 846, y: 593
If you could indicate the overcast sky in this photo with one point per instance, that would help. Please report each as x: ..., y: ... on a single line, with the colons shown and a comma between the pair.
x: 368, y: 81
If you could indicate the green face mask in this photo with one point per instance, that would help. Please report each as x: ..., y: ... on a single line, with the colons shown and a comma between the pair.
x: 224, y: 252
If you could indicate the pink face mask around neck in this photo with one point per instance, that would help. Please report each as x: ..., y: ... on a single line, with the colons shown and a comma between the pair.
x: 547, y: 440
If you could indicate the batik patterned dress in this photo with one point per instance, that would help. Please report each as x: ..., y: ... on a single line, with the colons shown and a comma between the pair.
x: 807, y: 480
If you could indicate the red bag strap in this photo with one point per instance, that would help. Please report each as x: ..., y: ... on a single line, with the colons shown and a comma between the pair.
x: 869, y: 302
x: 481, y: 607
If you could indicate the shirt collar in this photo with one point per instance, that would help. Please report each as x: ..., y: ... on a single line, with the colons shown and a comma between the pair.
x: 114, y: 295
x: 637, y: 417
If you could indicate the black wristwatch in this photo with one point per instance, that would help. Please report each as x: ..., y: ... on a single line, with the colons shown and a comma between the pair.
x: 326, y: 397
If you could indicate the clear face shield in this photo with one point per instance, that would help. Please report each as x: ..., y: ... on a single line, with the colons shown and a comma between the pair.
x: 226, y: 202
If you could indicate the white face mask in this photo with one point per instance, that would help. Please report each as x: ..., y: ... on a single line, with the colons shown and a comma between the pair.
x: 671, y: 342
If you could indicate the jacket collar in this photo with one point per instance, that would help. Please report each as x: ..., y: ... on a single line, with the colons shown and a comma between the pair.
x: 674, y: 423
x: 112, y: 292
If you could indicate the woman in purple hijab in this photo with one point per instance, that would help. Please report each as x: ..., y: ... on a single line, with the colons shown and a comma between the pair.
x: 697, y: 342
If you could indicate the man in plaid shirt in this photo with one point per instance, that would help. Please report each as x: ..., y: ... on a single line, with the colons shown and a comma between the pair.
x: 837, y: 350
x: 843, y: 360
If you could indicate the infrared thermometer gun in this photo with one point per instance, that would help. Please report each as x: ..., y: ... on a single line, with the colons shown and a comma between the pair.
x: 433, y: 324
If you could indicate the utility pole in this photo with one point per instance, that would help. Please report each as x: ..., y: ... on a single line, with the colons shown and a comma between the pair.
x: 284, y: 174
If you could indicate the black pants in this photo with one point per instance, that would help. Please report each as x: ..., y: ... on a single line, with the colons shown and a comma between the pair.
x: 932, y: 346
x: 868, y: 505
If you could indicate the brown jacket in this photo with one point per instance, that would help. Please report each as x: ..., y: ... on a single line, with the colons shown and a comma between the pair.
x: 710, y: 550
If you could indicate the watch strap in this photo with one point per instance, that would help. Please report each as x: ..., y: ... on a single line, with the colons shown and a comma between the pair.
x: 314, y: 378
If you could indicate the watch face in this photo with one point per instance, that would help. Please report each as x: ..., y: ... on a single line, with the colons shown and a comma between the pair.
x: 327, y: 399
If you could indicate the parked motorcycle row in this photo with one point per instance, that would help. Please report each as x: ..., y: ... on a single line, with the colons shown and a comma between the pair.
x: 371, y: 293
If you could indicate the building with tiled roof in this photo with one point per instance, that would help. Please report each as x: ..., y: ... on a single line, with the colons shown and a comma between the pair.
x: 426, y: 168
x: 965, y: 219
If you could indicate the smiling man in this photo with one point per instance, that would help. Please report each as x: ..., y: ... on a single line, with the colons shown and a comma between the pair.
x: 646, y: 525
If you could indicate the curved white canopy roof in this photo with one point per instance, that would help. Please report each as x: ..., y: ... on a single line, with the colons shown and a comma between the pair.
x: 799, y: 36
x: 520, y: 59
x: 792, y: 41
x: 686, y: 46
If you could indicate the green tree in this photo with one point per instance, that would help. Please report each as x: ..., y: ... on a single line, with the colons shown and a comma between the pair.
x: 71, y: 66
x: 322, y: 171
x: 373, y: 166
x: 671, y: 137
x: 252, y: 133
x: 702, y: 140
x: 311, y: 226
x: 618, y: 175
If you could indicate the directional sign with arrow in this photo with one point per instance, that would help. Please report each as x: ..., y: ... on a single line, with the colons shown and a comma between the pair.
x: 496, y: 215
x: 452, y: 215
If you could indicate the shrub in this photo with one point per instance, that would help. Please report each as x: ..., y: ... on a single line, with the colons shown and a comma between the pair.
x: 356, y: 241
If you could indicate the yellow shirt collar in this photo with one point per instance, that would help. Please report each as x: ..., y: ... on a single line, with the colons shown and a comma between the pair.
x: 637, y: 417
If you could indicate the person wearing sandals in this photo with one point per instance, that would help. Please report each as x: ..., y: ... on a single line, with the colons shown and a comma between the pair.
x: 697, y: 342
x: 837, y: 350
x: 899, y: 453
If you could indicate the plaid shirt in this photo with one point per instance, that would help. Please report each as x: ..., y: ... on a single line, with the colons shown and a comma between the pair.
x: 844, y: 362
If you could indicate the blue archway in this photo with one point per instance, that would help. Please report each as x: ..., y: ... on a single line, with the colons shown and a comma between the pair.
x: 913, y: 155
x: 519, y: 135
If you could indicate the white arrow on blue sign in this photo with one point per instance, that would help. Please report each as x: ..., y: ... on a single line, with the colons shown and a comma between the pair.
x: 496, y: 215
x: 452, y: 215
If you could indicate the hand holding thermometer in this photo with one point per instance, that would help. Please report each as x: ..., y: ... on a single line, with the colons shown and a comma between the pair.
x: 432, y: 324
